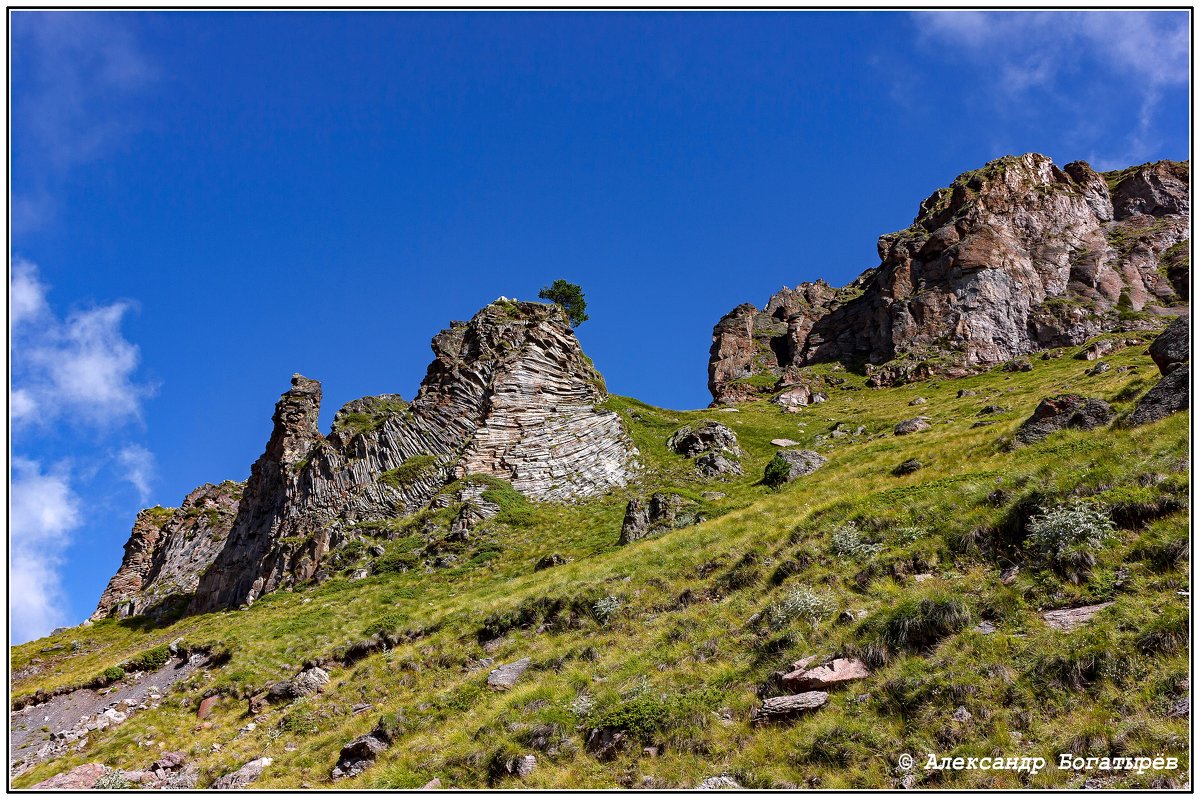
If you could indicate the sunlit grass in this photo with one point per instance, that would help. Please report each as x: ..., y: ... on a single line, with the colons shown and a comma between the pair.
x: 693, y: 638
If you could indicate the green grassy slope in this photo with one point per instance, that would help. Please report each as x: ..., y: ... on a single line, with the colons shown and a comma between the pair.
x: 693, y: 637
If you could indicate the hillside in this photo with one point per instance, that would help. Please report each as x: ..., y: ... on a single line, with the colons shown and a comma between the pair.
x: 518, y: 580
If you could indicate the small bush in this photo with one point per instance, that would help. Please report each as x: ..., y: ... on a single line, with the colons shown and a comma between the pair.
x: 606, y: 608
x: 570, y: 297
x: 800, y: 603
x: 397, y: 559
x: 1068, y: 537
x: 151, y: 660
x: 777, y: 472
x: 847, y: 541
x: 582, y: 705
x: 647, y: 715
x: 111, y: 675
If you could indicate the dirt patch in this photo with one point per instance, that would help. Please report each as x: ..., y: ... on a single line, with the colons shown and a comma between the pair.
x: 41, y: 732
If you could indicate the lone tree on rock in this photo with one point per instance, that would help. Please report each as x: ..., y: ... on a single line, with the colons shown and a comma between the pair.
x: 570, y: 297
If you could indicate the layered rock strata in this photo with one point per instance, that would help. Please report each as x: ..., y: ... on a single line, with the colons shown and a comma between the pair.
x: 509, y: 394
x: 168, y: 550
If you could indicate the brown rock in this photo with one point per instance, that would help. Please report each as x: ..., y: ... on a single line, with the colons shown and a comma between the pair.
x: 82, y: 777
x: 826, y: 676
x: 206, y: 706
x: 1060, y: 412
x: 1015, y: 257
x: 1100, y: 349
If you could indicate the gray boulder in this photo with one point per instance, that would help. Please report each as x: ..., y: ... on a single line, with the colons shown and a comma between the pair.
x: 715, y: 465
x: 248, y: 774
x: 707, y: 437
x: 358, y: 754
x: 913, y: 425
x: 775, y: 709
x: 505, y: 677
x: 1170, y: 349
x: 1168, y: 396
x: 636, y: 524
x: 663, y: 512
x: 801, y: 462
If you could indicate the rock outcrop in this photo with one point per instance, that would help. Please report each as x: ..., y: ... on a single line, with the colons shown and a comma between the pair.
x: 714, y: 445
x: 1060, y: 412
x: 663, y: 512
x: 509, y: 395
x: 1016, y: 257
x: 168, y: 551
x: 1172, y: 393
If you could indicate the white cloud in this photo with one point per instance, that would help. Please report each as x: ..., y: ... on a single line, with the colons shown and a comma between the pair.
x: 1151, y: 45
x: 27, y: 295
x: 43, y: 511
x: 77, y: 374
x: 138, y: 466
x: 1022, y: 51
x: 81, y: 368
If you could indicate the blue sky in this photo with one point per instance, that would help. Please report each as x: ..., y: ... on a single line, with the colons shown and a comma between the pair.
x: 204, y: 203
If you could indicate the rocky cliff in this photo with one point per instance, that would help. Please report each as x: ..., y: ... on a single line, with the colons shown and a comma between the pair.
x: 509, y: 395
x: 167, y: 552
x: 1013, y: 258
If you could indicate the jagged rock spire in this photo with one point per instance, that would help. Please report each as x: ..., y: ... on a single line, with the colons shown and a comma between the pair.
x: 509, y: 394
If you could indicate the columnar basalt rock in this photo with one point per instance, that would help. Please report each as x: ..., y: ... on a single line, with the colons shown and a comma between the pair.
x: 509, y: 394
x: 1012, y: 258
x: 168, y: 550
